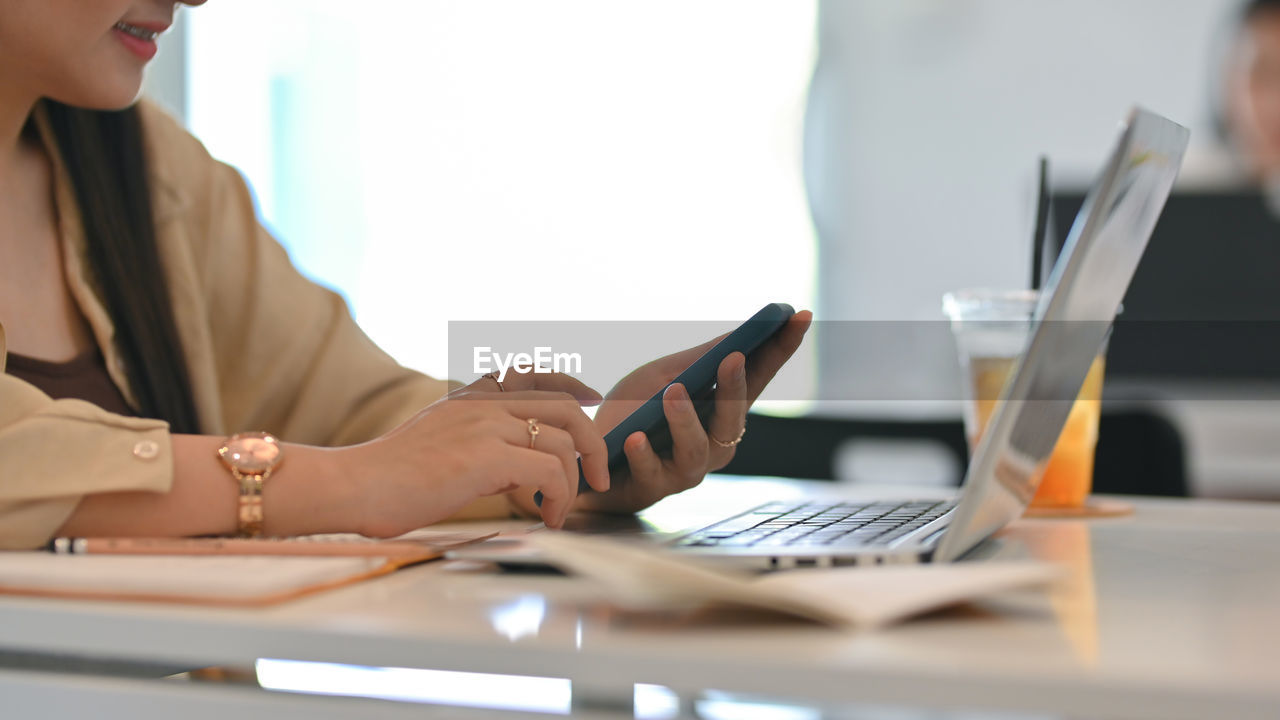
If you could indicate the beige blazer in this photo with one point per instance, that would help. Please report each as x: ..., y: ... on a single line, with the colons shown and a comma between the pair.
x: 266, y: 348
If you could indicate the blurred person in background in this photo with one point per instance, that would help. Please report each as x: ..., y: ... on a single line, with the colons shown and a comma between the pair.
x: 1248, y: 113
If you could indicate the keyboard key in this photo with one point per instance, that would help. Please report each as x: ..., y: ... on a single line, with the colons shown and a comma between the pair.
x: 775, y: 508
x: 734, y: 525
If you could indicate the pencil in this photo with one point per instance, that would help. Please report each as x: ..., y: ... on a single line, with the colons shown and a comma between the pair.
x: 425, y: 549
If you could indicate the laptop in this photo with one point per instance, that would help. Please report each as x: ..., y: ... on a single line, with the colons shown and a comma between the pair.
x: 1077, y: 306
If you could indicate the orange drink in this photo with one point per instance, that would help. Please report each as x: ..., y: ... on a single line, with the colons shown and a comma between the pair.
x: 991, y: 329
x: 1067, y: 477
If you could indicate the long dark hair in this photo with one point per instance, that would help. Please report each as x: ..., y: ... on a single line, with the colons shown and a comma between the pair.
x: 1254, y: 8
x: 105, y: 158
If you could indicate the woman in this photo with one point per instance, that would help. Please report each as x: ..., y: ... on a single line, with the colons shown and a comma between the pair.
x: 134, y: 275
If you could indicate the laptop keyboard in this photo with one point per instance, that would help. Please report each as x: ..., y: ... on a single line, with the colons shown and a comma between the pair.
x: 796, y: 524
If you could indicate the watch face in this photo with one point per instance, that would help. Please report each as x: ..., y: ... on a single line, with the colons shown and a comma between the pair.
x: 253, y: 453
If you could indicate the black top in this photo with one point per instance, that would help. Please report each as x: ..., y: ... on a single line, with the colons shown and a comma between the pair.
x: 84, y: 377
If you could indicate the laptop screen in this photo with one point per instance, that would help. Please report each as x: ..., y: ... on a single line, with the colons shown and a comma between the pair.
x: 1076, y: 308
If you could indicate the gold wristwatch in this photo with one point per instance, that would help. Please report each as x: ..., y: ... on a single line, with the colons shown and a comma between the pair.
x: 251, y: 456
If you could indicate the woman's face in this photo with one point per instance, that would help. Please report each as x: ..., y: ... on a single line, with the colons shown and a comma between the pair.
x: 1253, y: 94
x: 88, y: 53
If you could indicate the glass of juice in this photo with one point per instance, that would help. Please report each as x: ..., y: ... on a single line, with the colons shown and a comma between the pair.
x: 991, y: 328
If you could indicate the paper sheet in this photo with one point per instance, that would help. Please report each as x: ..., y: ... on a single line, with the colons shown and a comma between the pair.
x: 648, y: 577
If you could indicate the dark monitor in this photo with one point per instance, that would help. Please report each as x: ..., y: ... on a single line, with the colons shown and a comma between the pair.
x: 1204, y: 303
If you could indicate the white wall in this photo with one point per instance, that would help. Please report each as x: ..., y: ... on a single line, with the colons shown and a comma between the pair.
x: 925, y: 123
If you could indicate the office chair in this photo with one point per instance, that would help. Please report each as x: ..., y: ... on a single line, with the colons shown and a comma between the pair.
x: 1140, y: 452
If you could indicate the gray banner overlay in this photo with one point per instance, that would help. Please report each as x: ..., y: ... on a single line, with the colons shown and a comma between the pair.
x: 1166, y: 354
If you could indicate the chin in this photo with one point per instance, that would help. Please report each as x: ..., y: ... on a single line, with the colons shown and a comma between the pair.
x: 110, y: 85
x: 104, y: 97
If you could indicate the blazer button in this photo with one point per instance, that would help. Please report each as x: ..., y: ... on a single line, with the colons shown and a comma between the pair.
x: 146, y: 450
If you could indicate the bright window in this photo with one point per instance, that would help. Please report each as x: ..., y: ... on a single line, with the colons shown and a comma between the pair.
x: 564, y: 159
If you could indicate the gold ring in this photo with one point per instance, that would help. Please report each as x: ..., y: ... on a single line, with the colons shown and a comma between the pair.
x: 533, y: 430
x: 731, y: 443
x: 494, y: 377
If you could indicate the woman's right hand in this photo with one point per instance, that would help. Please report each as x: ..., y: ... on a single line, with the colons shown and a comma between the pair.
x: 476, y: 442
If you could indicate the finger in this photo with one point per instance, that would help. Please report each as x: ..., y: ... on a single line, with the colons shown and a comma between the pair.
x: 644, y: 463
x: 770, y: 357
x: 544, y: 438
x: 668, y: 367
x: 678, y: 362
x: 730, y: 414
x: 485, y: 386
x: 688, y: 439
x: 562, y: 411
x: 487, y: 383
x: 547, y: 474
x: 552, y: 382
x: 557, y: 442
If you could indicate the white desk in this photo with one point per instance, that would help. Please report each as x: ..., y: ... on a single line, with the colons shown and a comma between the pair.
x: 1172, y: 613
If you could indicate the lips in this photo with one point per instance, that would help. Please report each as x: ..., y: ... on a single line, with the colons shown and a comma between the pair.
x: 139, y: 37
x: 142, y: 31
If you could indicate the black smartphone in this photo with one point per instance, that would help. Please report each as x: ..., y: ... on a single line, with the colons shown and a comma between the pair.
x: 699, y: 379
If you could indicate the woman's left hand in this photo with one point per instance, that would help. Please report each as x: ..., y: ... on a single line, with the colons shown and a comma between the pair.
x: 695, y: 451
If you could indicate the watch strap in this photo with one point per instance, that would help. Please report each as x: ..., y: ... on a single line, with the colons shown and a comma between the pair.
x: 249, y: 514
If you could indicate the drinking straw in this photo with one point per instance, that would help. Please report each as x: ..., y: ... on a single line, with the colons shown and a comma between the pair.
x: 1040, y: 235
